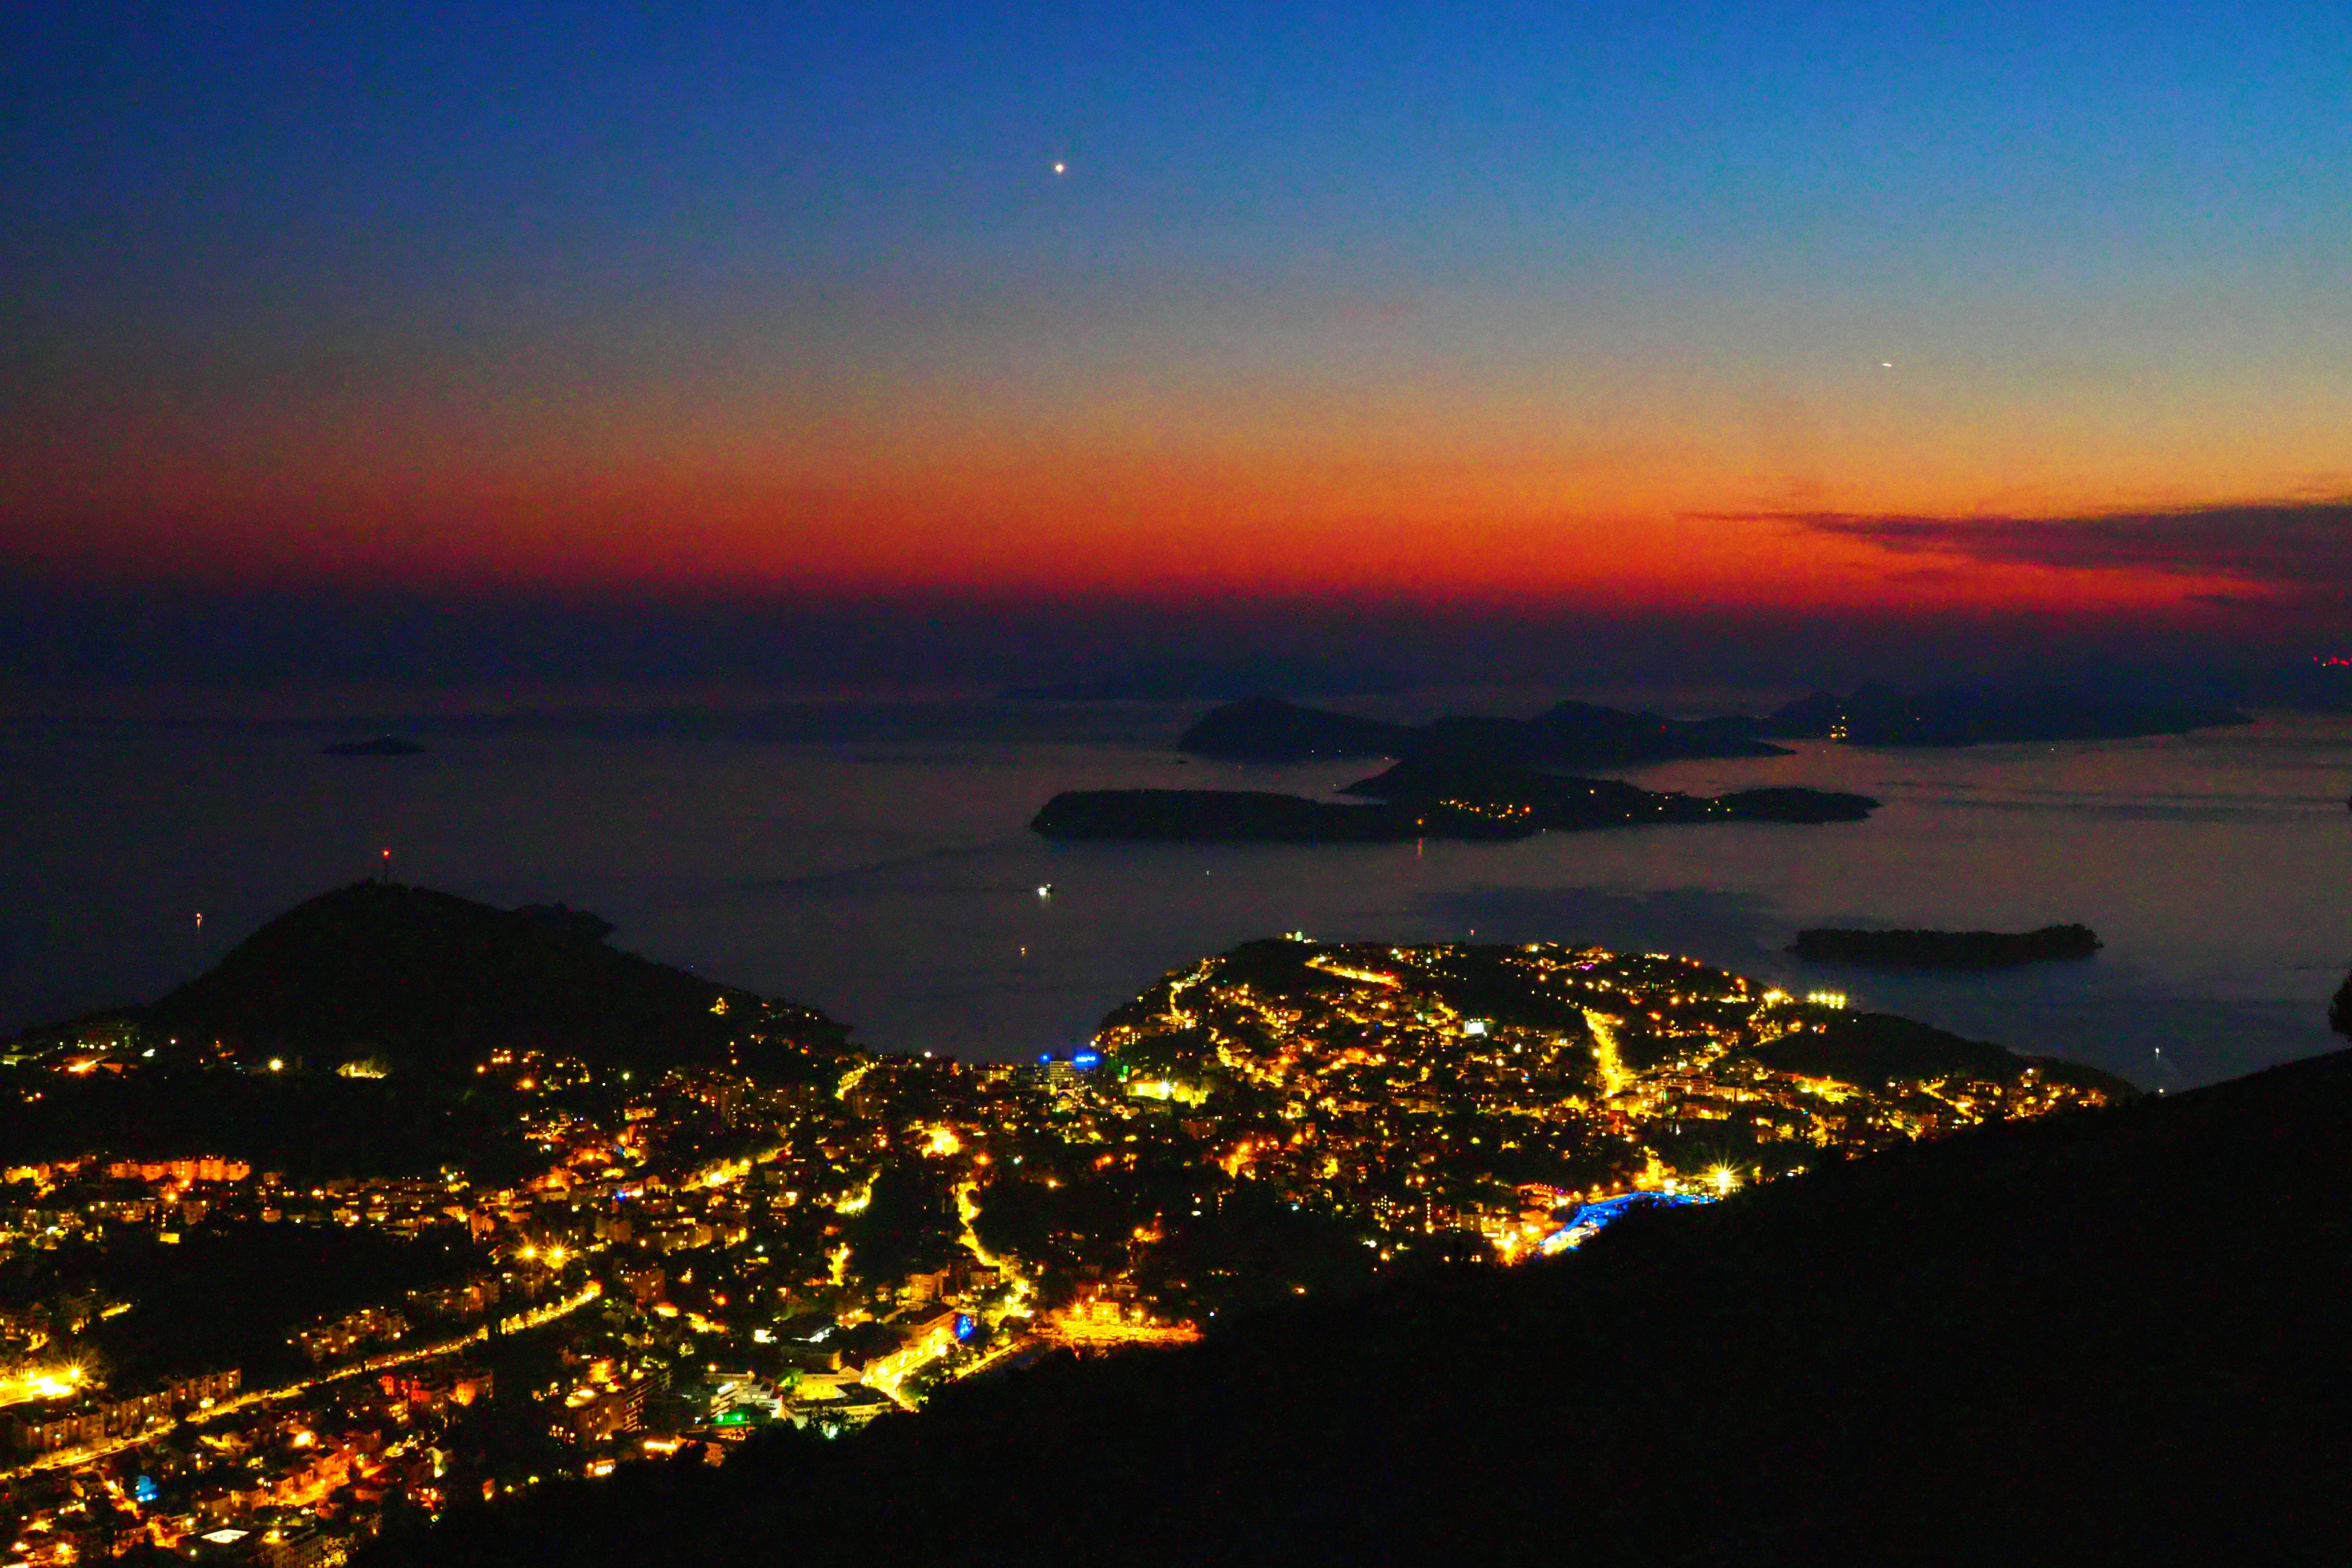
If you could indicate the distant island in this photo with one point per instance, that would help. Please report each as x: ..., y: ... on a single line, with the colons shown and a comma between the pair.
x: 1219, y: 817
x: 1946, y: 949
x: 1586, y: 734
x: 381, y: 746
x: 1422, y: 799
x: 1971, y: 716
x: 1270, y: 730
x: 1499, y: 792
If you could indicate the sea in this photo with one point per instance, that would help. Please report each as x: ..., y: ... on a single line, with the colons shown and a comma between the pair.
x: 873, y: 857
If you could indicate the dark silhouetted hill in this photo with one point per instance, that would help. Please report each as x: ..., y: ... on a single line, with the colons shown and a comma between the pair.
x: 1235, y: 815
x: 1505, y: 792
x: 378, y: 1002
x: 2114, y: 1337
x: 430, y: 984
x: 1875, y: 1050
x: 1585, y: 734
x: 1270, y: 730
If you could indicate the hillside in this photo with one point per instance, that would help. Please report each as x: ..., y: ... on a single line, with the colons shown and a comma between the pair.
x: 428, y: 983
x: 1268, y: 730
x: 1503, y: 790
x: 1881, y: 1051
x: 2093, y: 1338
x: 346, y: 1038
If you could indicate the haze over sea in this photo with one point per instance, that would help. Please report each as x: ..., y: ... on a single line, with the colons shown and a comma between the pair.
x: 873, y: 857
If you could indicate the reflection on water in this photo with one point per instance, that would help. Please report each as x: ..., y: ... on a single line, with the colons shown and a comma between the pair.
x: 873, y: 859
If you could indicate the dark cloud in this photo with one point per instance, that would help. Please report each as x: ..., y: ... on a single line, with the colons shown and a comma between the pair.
x: 2298, y: 550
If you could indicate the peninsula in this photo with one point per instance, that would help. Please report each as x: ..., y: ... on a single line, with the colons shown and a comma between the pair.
x: 1423, y: 799
x: 1945, y: 949
x: 1215, y: 816
x: 1500, y: 792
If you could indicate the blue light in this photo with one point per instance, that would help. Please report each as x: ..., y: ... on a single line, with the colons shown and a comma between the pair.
x: 1086, y: 1058
x: 1047, y: 1058
x: 143, y: 1489
x: 1589, y: 1220
x: 966, y: 1325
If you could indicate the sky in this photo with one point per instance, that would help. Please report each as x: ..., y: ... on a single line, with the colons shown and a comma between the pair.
x: 1977, y: 326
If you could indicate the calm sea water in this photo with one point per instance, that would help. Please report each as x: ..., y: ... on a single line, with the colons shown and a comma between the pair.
x: 873, y: 859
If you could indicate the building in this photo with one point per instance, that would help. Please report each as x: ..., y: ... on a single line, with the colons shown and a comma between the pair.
x: 181, y: 1173
x: 94, y: 1418
x: 593, y: 1414
x: 339, y: 1337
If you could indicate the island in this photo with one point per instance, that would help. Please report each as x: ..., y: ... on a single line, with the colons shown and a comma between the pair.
x: 1502, y: 792
x: 1270, y: 730
x: 381, y: 746
x: 1423, y: 799
x: 1945, y: 949
x: 1222, y: 816
x: 1968, y: 716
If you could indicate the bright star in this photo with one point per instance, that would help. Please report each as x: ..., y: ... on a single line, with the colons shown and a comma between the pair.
x: 1061, y: 168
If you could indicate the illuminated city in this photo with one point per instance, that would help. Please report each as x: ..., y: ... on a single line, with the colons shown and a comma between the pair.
x: 1192, y: 785
x: 690, y: 1259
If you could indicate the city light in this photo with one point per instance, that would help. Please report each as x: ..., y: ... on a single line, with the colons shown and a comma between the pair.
x: 1363, y: 1094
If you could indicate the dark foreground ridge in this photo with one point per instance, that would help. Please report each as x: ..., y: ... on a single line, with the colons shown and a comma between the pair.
x: 1423, y: 798
x: 1945, y: 949
x: 1570, y: 734
x: 2095, y: 1337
